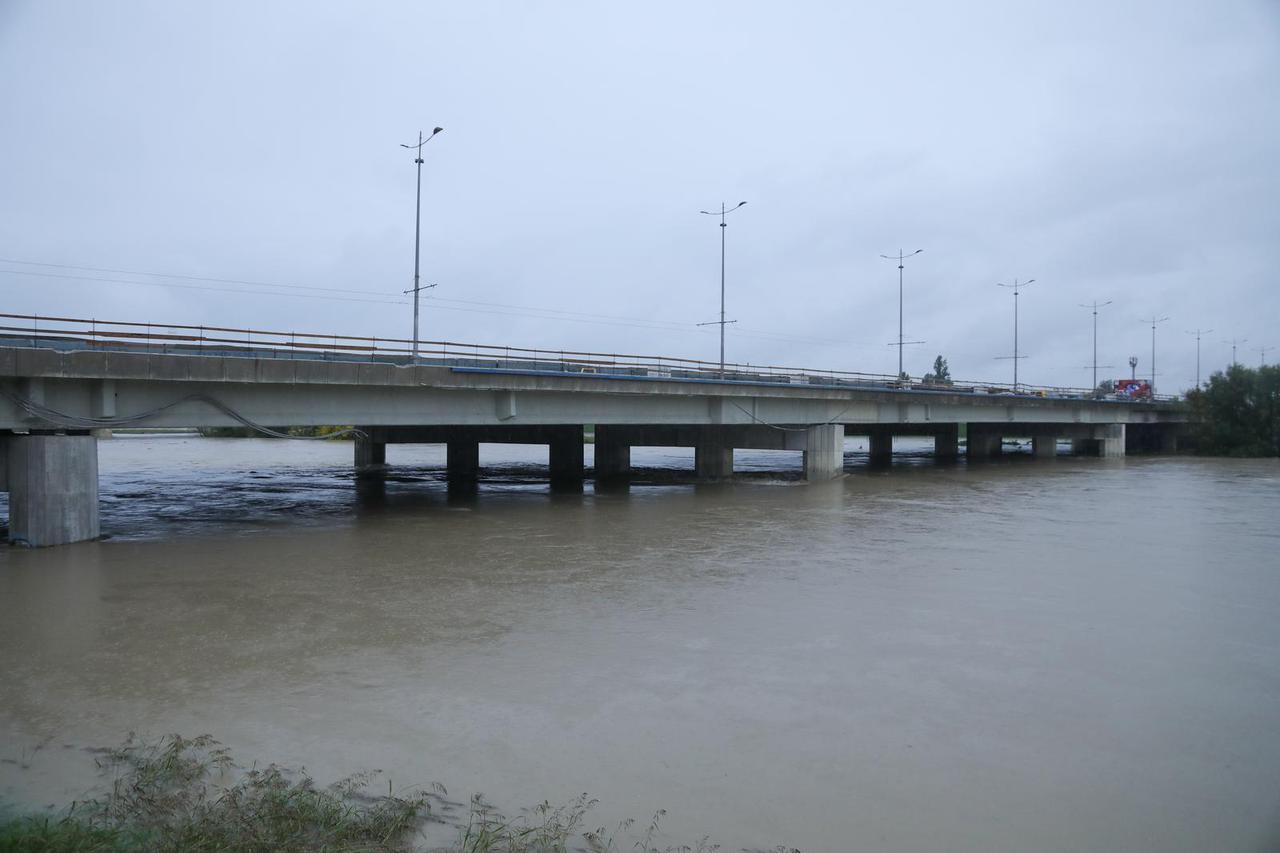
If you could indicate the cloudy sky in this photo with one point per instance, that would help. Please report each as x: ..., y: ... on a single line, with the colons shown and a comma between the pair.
x: 1111, y: 151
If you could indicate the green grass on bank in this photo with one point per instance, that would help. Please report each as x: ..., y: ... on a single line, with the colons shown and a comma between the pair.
x: 182, y: 794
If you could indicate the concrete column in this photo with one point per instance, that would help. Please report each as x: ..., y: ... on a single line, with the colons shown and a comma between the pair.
x: 1044, y: 446
x: 881, y: 448
x: 53, y: 489
x: 824, y: 452
x: 462, y: 459
x: 713, y: 458
x: 946, y: 444
x: 983, y: 442
x: 370, y: 455
x: 1111, y: 440
x: 613, y: 456
x: 566, y: 456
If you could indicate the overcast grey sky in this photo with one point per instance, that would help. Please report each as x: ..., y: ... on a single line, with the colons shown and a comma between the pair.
x: 1122, y: 151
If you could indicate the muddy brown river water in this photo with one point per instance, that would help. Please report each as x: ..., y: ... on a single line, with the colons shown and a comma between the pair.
x: 1081, y: 654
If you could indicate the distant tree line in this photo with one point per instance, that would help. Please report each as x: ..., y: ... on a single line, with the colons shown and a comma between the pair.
x: 1237, y: 412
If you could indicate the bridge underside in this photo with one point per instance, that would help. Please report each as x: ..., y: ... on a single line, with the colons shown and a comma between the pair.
x: 52, y: 476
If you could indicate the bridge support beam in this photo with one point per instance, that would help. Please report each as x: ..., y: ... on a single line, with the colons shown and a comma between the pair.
x: 983, y: 442
x: 566, y: 456
x: 946, y: 444
x: 881, y: 448
x: 462, y: 460
x: 824, y: 452
x: 712, y: 457
x: 1044, y: 446
x: 613, y: 454
x: 53, y: 488
x: 370, y: 455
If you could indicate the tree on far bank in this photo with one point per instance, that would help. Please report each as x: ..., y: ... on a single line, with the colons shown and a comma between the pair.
x: 1237, y: 412
x: 941, y: 374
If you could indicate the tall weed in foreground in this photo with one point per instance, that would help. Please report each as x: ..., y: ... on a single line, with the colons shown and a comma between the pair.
x: 187, y: 794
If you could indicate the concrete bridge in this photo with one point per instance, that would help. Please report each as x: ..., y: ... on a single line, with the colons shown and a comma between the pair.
x: 60, y: 383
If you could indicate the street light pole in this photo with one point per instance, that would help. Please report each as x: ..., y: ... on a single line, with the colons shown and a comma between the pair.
x: 722, y: 213
x: 1015, y: 287
x: 1262, y: 355
x: 1233, y: 343
x: 1153, y: 321
x: 1198, y: 333
x: 1095, y: 306
x: 417, y: 233
x: 899, y: 258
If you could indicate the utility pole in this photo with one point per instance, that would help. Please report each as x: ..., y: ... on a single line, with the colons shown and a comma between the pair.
x: 901, y: 343
x: 722, y: 213
x: 1015, y: 287
x: 1133, y: 368
x: 1262, y: 355
x: 417, y: 234
x: 1154, y: 319
x: 1095, y: 306
x: 1198, y: 333
x: 1233, y: 343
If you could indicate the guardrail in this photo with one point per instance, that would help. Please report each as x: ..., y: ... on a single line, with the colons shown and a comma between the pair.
x: 70, y: 333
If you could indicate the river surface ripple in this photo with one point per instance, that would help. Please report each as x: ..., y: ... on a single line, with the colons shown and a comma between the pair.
x: 1081, y: 654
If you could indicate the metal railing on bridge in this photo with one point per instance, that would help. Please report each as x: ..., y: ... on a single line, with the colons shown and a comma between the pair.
x: 73, y: 333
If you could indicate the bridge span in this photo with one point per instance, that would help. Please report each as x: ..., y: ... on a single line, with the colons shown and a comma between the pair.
x: 65, y: 379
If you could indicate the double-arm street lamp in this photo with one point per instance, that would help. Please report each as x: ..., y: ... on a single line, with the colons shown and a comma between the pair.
x: 722, y: 213
x: 1015, y: 287
x: 901, y: 343
x: 417, y: 234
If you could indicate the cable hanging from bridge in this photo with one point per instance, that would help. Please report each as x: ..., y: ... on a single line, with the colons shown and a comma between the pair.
x: 68, y: 421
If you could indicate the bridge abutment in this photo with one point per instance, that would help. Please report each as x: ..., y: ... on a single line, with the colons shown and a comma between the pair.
x: 53, y: 488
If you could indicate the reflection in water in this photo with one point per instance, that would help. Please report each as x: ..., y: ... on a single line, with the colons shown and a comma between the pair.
x: 1081, y: 654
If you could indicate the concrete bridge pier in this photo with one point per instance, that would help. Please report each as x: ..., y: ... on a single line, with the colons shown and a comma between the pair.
x: 1044, y: 446
x: 824, y: 452
x: 1107, y: 440
x: 984, y: 442
x: 613, y: 454
x: 946, y: 444
x: 881, y: 445
x: 53, y: 488
x: 462, y: 460
x: 370, y: 454
x: 712, y: 457
x: 566, y: 456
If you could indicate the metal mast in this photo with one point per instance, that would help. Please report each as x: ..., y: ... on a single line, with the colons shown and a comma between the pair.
x: 1095, y: 305
x: 1153, y: 321
x: 1198, y: 333
x: 722, y: 213
x: 417, y: 233
x: 901, y: 343
x: 1015, y: 287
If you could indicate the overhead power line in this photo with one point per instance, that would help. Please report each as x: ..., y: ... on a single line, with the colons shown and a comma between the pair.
x: 376, y: 298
